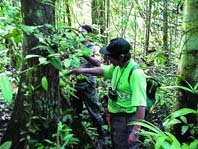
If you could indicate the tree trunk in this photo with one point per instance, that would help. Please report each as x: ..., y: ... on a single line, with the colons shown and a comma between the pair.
x: 107, y: 22
x: 148, y: 26
x: 188, y: 70
x: 165, y: 27
x: 36, y: 111
x: 68, y: 13
x: 98, y: 14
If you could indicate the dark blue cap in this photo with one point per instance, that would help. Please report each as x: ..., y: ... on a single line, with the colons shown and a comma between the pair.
x: 116, y: 46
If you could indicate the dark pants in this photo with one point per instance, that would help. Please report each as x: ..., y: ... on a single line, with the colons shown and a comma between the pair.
x: 86, y: 94
x: 120, y: 130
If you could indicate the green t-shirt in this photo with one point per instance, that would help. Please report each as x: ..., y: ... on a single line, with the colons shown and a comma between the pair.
x: 130, y: 96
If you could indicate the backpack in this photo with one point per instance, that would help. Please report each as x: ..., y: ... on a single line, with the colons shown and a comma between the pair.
x: 151, y: 87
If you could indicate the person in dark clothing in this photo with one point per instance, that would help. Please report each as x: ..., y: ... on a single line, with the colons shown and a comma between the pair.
x: 86, y: 88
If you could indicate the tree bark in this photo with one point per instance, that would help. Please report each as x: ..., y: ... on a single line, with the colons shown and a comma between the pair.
x: 98, y: 15
x: 148, y: 26
x: 34, y: 107
x: 188, y: 70
x: 165, y: 27
x: 68, y: 13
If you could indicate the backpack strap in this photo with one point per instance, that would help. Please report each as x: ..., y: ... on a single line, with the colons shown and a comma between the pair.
x: 137, y: 66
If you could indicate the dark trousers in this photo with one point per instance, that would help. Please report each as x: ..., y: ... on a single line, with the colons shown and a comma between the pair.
x: 86, y: 94
x: 120, y: 130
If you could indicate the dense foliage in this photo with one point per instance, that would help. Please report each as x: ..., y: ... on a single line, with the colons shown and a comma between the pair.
x: 159, y: 59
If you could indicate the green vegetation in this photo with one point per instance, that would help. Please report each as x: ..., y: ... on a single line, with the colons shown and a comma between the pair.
x: 158, y: 44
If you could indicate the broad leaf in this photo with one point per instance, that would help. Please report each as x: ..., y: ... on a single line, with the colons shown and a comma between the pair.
x: 6, y: 145
x: 194, y: 144
x: 184, y: 129
x: 44, y: 83
x: 42, y: 60
x: 56, y: 62
x: 6, y: 88
x: 31, y: 56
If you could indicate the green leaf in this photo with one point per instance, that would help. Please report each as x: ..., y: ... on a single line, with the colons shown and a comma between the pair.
x: 184, y: 129
x: 175, y: 143
x: 166, y: 145
x: 67, y: 63
x: 181, y: 112
x: 44, y: 83
x: 28, y: 29
x: 15, y: 32
x: 6, y: 88
x: 177, y: 86
x: 184, y: 119
x: 148, y: 125
x: 6, y: 145
x: 42, y: 60
x: 159, y: 142
x: 170, y: 122
x: 194, y: 144
x: 185, y: 146
x: 54, y: 55
x: 56, y: 62
x: 31, y: 56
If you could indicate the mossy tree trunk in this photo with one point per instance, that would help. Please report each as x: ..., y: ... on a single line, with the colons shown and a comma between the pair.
x: 36, y: 111
x: 188, y: 66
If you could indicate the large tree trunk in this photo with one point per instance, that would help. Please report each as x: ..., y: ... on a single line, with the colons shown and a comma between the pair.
x: 36, y: 111
x: 188, y: 70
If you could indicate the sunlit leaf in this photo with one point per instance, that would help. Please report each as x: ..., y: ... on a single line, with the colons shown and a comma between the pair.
x: 175, y: 143
x: 184, y: 119
x: 159, y: 142
x: 180, y: 87
x: 184, y: 129
x: 31, y: 56
x: 171, y: 122
x: 44, y: 83
x: 6, y: 145
x: 182, y: 112
x: 28, y: 29
x: 6, y: 88
x: 42, y: 60
x: 67, y: 63
x: 194, y: 144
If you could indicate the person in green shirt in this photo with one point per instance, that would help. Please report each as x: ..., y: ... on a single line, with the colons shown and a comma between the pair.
x: 127, y: 97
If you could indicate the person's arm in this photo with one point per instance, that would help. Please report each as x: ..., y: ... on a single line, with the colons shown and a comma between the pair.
x: 139, y: 115
x: 94, y: 71
x: 96, y: 59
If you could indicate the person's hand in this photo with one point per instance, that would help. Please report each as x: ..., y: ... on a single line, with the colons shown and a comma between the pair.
x: 133, y: 138
x: 75, y: 71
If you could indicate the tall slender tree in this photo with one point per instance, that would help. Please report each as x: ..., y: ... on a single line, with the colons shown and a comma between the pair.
x: 188, y: 70
x: 165, y: 26
x: 98, y: 14
x: 35, y: 107
x: 148, y: 25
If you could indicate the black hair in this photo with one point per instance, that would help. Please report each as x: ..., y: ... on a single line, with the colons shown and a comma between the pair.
x: 88, y: 28
x: 127, y: 56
